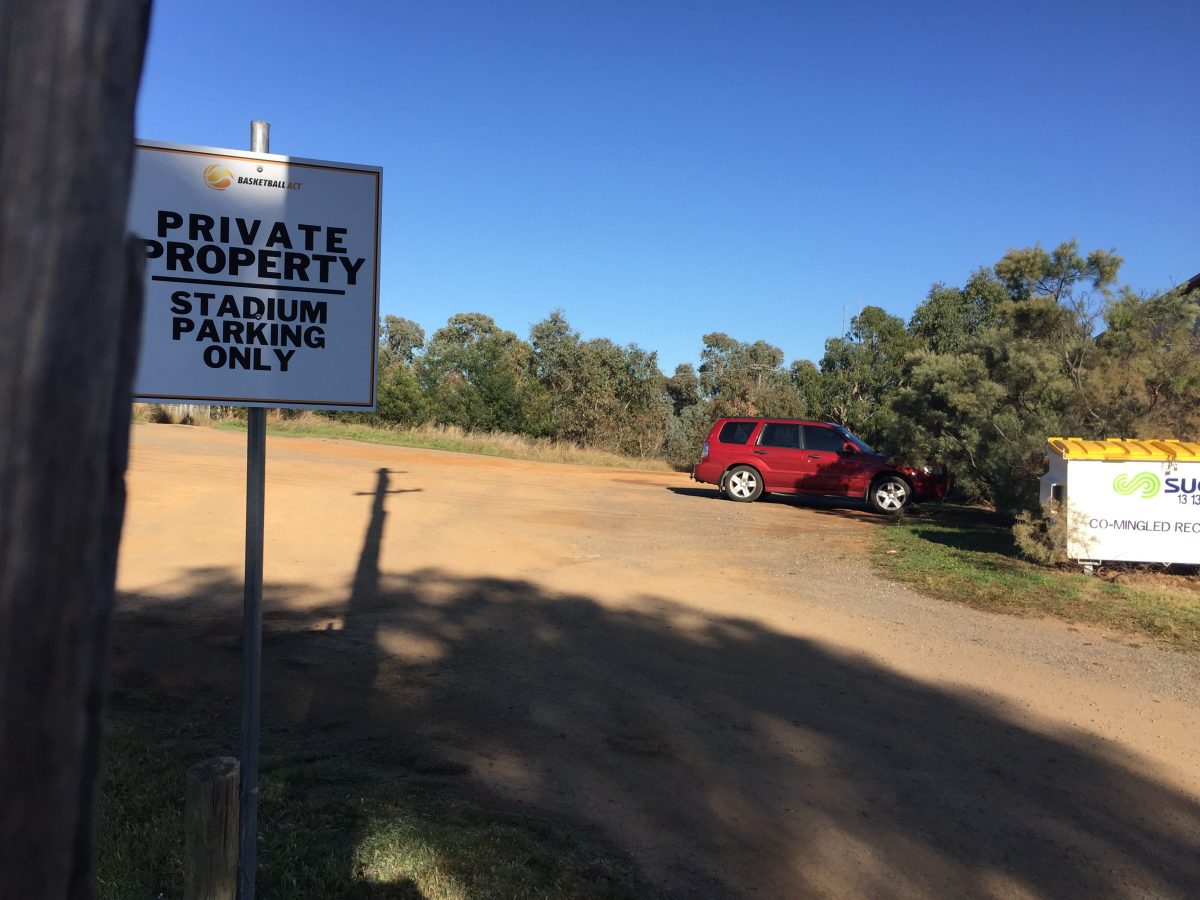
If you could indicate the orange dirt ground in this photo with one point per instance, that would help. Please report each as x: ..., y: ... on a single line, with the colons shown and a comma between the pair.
x: 724, y: 692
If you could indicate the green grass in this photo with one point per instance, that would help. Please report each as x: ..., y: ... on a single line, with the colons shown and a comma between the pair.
x: 970, y: 558
x: 441, y: 437
x: 333, y: 826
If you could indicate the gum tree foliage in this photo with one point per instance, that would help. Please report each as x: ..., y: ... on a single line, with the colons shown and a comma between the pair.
x: 862, y: 372
x: 399, y: 341
x: 478, y: 376
x: 1006, y: 362
x: 804, y: 378
x: 598, y: 393
x: 744, y: 379
x: 399, y: 398
x: 951, y: 315
x: 688, y: 421
x: 683, y: 388
x: 1148, y: 380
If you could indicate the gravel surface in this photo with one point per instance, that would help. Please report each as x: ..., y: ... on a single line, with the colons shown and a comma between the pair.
x: 725, y: 692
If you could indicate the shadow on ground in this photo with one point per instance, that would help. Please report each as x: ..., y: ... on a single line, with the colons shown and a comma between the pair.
x: 969, y: 521
x: 727, y: 759
x: 836, y: 505
x: 980, y: 539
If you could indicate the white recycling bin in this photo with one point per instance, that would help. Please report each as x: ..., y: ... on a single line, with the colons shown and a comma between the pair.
x: 1127, y: 500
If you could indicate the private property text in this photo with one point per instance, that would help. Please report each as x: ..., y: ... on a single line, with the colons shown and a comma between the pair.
x: 250, y: 331
x: 316, y: 250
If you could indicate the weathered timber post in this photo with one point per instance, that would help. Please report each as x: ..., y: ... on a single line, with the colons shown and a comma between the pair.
x: 210, y: 816
x: 70, y: 308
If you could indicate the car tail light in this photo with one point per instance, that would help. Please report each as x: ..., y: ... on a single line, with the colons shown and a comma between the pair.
x: 704, y: 452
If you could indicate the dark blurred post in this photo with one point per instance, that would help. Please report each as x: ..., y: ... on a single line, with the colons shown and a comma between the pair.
x: 70, y: 312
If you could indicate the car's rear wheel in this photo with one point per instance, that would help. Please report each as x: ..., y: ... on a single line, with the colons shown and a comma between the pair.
x: 889, y: 494
x: 743, y: 484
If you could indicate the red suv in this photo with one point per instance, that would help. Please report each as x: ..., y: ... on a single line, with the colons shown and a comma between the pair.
x: 749, y: 457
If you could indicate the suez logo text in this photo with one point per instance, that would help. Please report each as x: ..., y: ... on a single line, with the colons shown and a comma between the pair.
x: 219, y: 177
x: 1147, y: 485
x: 239, y: 328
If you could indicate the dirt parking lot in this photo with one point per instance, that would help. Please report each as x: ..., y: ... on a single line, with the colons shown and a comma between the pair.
x: 725, y: 692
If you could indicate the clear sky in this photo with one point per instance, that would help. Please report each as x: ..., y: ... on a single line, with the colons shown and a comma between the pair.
x: 662, y: 169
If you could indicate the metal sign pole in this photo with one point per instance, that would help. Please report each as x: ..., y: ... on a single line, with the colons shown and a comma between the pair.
x: 256, y: 470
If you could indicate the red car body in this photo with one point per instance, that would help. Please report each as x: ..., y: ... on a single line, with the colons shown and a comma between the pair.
x: 751, y: 456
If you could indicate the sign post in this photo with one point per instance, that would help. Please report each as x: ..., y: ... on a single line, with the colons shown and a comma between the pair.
x: 256, y: 485
x: 262, y: 290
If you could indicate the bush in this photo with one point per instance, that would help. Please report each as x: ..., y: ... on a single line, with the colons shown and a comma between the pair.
x: 1041, y: 536
x: 169, y: 413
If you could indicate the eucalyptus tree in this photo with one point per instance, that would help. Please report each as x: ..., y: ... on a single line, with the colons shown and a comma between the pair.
x: 742, y: 378
x: 862, y: 371
x: 1008, y: 361
x: 599, y: 393
x: 479, y: 376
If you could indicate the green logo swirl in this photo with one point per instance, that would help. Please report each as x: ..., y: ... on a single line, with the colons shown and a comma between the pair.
x: 1146, y: 483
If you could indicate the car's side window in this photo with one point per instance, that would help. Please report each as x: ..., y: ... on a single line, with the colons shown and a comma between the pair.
x: 780, y: 434
x: 736, y: 432
x: 817, y: 437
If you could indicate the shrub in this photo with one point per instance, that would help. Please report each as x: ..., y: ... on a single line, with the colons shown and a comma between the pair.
x: 1041, y: 536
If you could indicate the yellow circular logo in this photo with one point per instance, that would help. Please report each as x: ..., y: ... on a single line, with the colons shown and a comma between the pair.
x: 218, y: 177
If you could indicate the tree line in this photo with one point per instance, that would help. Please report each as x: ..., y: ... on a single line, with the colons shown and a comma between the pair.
x: 1043, y: 342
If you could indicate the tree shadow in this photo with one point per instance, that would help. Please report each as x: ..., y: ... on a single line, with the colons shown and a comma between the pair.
x: 979, y: 539
x: 727, y: 759
x: 994, y: 529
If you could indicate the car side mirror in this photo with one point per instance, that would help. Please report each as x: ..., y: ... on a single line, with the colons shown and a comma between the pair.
x: 849, y: 448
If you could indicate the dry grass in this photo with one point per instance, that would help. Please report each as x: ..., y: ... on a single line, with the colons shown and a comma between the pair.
x: 450, y: 437
x: 331, y: 825
x: 171, y: 414
x: 971, y: 558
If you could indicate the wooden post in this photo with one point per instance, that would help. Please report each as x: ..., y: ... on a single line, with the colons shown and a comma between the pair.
x: 70, y: 308
x: 210, y: 844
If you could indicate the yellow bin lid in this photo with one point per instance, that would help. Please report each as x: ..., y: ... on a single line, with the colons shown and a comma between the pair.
x: 1117, y: 449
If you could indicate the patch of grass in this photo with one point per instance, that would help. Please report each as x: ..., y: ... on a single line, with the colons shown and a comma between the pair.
x: 139, y: 844
x: 332, y: 825
x: 973, y: 560
x: 453, y: 438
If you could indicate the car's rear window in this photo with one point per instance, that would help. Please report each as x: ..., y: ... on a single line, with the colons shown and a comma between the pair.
x: 736, y: 432
x: 818, y: 438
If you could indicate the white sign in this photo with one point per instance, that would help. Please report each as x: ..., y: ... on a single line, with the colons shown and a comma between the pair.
x: 1147, y: 511
x: 262, y: 278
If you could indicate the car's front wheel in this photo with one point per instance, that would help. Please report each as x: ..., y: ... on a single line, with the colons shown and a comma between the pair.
x: 743, y: 484
x: 890, y: 494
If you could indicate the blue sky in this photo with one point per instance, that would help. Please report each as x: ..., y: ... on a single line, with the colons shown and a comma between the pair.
x: 660, y: 170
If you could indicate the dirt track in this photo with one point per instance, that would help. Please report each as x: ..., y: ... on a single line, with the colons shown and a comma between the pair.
x: 723, y: 691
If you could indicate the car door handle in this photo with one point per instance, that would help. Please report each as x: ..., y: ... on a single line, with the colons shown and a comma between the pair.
x: 814, y: 456
x: 760, y: 452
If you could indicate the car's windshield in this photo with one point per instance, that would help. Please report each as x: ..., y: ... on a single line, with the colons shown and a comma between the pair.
x: 861, y: 445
